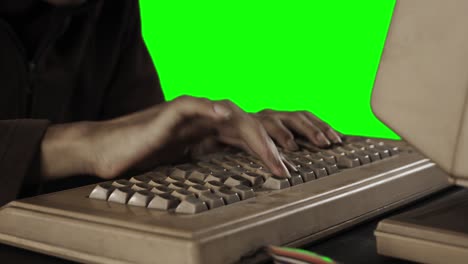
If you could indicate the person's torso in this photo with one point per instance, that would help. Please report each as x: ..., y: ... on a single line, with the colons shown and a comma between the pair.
x: 64, y: 76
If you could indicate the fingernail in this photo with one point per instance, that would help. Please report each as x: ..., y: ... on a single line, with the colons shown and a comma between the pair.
x: 283, y: 171
x: 323, y: 140
x: 291, y: 144
x: 334, y: 136
x: 289, y: 164
x: 222, y: 110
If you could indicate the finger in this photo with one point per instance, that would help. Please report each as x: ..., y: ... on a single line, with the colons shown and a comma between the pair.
x: 288, y: 163
x: 326, y: 128
x: 279, y: 132
x: 255, y: 137
x: 305, y: 127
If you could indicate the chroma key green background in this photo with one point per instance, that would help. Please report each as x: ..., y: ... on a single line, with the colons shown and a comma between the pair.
x: 320, y: 56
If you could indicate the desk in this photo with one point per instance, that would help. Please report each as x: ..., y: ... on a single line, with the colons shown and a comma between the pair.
x: 356, y: 245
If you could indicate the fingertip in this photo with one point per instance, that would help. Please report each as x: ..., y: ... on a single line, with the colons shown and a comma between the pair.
x: 292, y: 145
x: 333, y: 136
x: 323, y: 140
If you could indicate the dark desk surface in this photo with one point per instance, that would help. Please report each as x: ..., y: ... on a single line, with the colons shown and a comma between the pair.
x: 356, y: 245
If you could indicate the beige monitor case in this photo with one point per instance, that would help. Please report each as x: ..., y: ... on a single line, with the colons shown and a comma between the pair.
x: 421, y: 87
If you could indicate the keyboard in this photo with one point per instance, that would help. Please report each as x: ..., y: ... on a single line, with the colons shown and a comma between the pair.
x: 224, y: 207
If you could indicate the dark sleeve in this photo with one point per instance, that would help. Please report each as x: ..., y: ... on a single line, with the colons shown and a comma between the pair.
x: 135, y: 84
x: 19, y: 147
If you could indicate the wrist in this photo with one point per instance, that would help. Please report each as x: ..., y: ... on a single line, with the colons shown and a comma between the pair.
x: 65, y: 150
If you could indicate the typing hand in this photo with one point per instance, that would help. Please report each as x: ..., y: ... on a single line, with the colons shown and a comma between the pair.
x: 281, y: 126
x: 158, y: 134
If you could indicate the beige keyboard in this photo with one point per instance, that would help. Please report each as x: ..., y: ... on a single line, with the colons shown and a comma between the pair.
x: 223, y: 208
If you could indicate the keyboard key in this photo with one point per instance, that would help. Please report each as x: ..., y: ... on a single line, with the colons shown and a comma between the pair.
x: 164, y: 171
x: 228, y: 196
x: 214, y: 185
x: 102, y: 191
x: 212, y: 200
x: 255, y: 179
x: 191, y: 205
x: 384, y: 152
x: 121, y: 195
x: 182, y: 171
x: 172, y: 179
x: 253, y: 167
x: 182, y: 194
x: 347, y: 162
x: 229, y: 165
x: 161, y: 189
x: 363, y: 157
x: 140, y: 179
x: 264, y: 172
x: 177, y: 186
x: 199, y: 189
x: 164, y: 201
x: 307, y: 174
x: 236, y: 180
x: 394, y: 150
x: 319, y: 170
x: 141, y: 198
x: 243, y: 191
x: 327, y: 157
x: 331, y: 167
x: 191, y: 182
x: 158, y: 174
x: 295, y: 179
x: 158, y: 182
x: 219, y: 177
x: 276, y: 183
x: 141, y: 186
x: 255, y: 160
x: 303, y: 161
x: 211, y: 166
x: 199, y: 173
x: 122, y: 183
x: 239, y: 160
x: 335, y: 152
x: 373, y: 155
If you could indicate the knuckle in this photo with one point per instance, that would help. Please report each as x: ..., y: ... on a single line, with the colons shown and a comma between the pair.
x: 316, y: 133
x: 182, y: 98
x: 229, y: 103
x: 270, y: 119
x: 266, y: 111
x: 325, y: 126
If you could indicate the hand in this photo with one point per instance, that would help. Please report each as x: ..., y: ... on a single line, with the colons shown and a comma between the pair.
x: 156, y: 135
x: 281, y: 126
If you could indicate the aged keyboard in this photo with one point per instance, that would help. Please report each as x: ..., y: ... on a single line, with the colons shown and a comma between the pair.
x: 224, y: 207
x: 222, y: 179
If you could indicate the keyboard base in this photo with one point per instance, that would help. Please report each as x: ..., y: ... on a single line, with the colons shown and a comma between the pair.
x: 69, y: 225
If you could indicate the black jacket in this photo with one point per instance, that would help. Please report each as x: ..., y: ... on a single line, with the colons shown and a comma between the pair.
x: 89, y: 63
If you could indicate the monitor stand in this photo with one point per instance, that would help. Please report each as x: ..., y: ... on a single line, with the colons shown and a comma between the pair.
x: 434, y: 233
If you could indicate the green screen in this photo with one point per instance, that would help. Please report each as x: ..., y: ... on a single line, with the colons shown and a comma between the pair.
x: 320, y: 56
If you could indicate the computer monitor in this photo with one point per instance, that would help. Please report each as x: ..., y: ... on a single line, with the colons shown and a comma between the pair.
x: 421, y: 89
